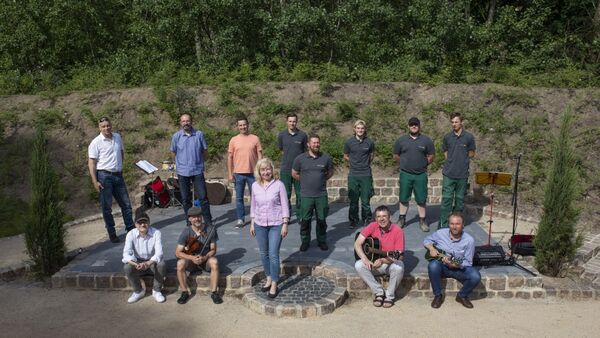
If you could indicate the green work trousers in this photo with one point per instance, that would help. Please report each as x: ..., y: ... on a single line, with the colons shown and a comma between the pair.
x: 321, y: 207
x: 360, y: 187
x: 453, y: 198
x: 289, y: 182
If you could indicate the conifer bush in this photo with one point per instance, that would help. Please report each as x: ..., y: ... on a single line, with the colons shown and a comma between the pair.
x: 556, y: 240
x: 44, y: 232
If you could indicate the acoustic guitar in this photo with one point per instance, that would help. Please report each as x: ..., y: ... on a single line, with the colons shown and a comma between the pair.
x: 372, y: 249
x: 441, y: 255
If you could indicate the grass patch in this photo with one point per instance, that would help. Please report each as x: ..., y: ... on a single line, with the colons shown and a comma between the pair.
x: 13, y: 216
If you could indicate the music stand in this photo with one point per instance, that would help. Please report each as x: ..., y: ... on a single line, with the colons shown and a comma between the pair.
x: 493, y: 178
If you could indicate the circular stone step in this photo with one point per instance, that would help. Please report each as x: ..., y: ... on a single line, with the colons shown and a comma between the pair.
x: 299, y: 295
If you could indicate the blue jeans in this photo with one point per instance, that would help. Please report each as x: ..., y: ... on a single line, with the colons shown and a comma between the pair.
x: 468, y: 276
x: 240, y: 182
x: 114, y: 185
x: 269, y: 242
x: 200, y: 190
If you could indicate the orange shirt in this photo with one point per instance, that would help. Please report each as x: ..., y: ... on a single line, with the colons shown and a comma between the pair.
x: 245, y: 150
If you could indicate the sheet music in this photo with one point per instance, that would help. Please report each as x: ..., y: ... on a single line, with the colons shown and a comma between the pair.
x: 146, y: 166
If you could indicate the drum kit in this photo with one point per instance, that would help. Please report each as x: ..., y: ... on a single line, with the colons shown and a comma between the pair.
x: 163, y: 194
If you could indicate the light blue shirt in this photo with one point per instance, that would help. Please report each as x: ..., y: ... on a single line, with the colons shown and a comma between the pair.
x: 462, y: 248
x: 188, y: 152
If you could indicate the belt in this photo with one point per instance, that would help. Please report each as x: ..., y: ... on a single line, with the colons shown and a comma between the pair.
x: 115, y: 173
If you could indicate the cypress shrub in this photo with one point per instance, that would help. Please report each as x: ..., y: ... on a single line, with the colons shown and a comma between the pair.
x: 556, y: 240
x: 44, y: 232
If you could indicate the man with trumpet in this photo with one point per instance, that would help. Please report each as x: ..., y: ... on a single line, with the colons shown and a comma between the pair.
x: 196, y: 250
x: 391, y: 246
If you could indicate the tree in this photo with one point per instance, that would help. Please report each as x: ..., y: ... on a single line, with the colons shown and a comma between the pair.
x: 44, y: 232
x: 556, y: 240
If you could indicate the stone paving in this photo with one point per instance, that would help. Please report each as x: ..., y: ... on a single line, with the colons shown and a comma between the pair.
x: 100, y: 267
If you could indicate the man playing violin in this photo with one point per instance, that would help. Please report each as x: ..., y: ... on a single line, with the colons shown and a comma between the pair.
x: 457, y: 262
x: 193, y: 255
x: 391, y: 238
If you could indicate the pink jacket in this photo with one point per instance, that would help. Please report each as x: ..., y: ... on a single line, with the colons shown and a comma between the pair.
x: 269, y: 205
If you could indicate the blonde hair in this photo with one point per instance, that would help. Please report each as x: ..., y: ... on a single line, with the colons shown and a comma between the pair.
x: 262, y: 163
x: 359, y: 122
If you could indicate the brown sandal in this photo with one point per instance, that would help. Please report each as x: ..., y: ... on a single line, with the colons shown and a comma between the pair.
x: 378, y: 301
x: 388, y: 303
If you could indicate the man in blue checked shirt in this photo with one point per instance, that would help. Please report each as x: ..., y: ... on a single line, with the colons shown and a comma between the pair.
x: 189, y: 148
x: 452, y: 251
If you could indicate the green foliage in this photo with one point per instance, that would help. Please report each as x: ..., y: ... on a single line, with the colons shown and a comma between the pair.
x: 44, y: 232
x: 556, y: 240
x: 13, y: 215
x: 334, y: 146
x: 176, y: 101
x: 510, y: 97
x: 326, y: 88
x: 90, y: 116
x: 7, y: 120
x: 52, y: 117
x: 275, y: 110
x: 345, y: 111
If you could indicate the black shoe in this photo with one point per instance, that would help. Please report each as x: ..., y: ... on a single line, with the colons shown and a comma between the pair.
x: 437, y: 301
x: 185, y: 296
x: 304, y: 247
x: 216, y: 298
x: 114, y: 239
x: 266, y: 288
x: 273, y: 295
x: 402, y: 221
x: 464, y: 301
x: 323, y: 246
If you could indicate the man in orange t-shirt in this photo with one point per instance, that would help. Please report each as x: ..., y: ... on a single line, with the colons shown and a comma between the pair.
x: 243, y: 153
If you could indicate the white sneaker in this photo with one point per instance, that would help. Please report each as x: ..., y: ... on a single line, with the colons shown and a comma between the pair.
x: 158, y: 296
x: 135, y: 296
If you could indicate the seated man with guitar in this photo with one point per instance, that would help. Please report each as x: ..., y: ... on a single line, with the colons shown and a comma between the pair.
x: 450, y: 253
x: 196, y: 250
x: 378, y: 249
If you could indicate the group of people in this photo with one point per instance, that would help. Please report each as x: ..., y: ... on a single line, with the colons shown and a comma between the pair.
x: 304, y: 169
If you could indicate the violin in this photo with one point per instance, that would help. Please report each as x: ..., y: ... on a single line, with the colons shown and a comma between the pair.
x: 192, y: 245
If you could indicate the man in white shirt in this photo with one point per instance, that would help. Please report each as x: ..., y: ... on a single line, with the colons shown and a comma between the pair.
x: 143, y: 255
x: 105, y: 164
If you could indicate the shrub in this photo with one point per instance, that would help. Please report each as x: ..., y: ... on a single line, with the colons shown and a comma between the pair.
x: 556, y: 240
x: 44, y: 232
x: 345, y: 111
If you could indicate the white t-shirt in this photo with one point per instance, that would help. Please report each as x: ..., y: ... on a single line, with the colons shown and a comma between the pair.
x: 107, y: 152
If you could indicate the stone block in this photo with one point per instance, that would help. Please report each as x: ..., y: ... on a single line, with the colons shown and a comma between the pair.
x: 324, y: 306
x: 356, y: 283
x: 102, y: 281
x: 307, y: 311
x: 497, y: 283
x: 515, y: 282
x: 523, y: 294
x: 505, y: 294
x: 86, y: 281
x: 563, y: 294
x: 203, y: 281
x: 118, y: 281
x: 235, y: 282
x: 423, y: 284
x: 170, y: 282
x: 379, y: 182
x: 286, y: 311
x: 538, y: 294
x: 269, y: 309
x: 391, y: 182
x: 305, y: 270
x: 535, y: 282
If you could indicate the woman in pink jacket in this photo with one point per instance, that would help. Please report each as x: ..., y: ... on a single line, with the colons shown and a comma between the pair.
x: 270, y: 214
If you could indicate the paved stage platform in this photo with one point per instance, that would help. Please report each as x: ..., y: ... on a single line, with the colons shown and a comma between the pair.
x: 236, y: 248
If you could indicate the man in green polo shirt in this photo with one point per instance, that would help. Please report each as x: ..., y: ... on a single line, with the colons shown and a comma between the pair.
x: 414, y: 152
x: 359, y: 151
x: 459, y: 149
x: 313, y: 169
x: 292, y: 142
